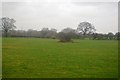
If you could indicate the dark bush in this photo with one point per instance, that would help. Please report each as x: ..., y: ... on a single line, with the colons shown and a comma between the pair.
x: 64, y: 37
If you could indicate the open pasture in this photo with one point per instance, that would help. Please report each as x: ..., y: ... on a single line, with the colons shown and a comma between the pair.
x: 48, y: 58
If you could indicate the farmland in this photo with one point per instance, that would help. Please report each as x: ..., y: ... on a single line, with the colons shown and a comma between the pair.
x: 49, y: 58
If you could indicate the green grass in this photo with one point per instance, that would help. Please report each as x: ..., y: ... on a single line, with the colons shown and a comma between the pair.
x: 48, y: 58
x: 0, y: 58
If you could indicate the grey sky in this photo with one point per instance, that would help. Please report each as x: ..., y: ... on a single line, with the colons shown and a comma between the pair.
x: 61, y: 14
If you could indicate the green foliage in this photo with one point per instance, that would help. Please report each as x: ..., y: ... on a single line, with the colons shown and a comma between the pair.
x: 47, y: 58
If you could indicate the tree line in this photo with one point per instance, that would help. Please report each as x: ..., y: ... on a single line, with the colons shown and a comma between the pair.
x: 85, y: 30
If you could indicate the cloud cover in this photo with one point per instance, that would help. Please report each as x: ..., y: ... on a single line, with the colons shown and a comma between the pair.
x: 60, y: 14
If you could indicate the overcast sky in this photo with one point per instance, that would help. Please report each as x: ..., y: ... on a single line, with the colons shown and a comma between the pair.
x: 61, y: 14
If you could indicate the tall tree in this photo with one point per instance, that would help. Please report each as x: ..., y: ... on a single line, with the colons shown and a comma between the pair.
x: 110, y: 35
x: 86, y: 28
x: 44, y: 32
x: 117, y: 35
x: 7, y: 25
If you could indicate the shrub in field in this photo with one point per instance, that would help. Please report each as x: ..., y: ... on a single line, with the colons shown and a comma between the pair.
x: 64, y: 37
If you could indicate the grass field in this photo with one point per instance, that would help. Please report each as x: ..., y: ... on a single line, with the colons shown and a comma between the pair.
x: 48, y: 58
x: 0, y: 58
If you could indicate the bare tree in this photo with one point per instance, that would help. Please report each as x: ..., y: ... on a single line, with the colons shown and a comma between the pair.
x: 7, y: 24
x: 86, y: 28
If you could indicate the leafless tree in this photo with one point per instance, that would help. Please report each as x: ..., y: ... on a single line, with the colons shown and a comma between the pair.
x: 7, y: 25
x: 86, y: 28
